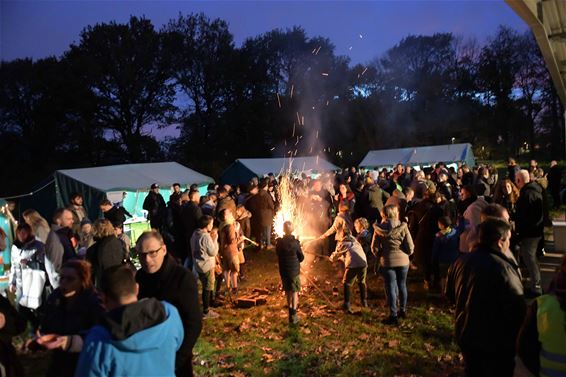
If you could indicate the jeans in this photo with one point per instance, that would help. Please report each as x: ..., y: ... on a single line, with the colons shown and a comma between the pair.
x: 528, y: 252
x: 266, y: 235
x: 396, y: 287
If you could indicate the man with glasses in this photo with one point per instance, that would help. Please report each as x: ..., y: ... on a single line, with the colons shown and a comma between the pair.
x: 162, y: 278
x: 529, y: 224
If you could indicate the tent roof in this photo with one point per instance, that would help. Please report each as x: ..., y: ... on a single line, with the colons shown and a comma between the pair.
x: 136, y: 176
x: 419, y: 155
x: 263, y: 166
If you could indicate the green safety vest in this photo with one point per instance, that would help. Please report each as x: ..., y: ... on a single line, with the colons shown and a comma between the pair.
x: 551, y: 326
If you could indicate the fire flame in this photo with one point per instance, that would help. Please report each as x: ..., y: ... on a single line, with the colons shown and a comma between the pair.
x: 289, y: 209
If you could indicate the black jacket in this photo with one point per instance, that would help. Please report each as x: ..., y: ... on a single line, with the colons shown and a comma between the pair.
x: 116, y: 215
x: 154, y: 204
x: 488, y: 293
x: 190, y: 215
x: 176, y: 285
x: 69, y: 316
x: 262, y: 208
x: 529, y: 215
x: 290, y: 256
x: 105, y: 253
x: 15, y: 324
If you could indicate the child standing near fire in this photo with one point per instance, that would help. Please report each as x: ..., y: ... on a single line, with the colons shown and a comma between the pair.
x: 352, y: 253
x: 290, y: 255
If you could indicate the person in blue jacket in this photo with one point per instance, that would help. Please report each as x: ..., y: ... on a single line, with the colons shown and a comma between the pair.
x: 135, y: 338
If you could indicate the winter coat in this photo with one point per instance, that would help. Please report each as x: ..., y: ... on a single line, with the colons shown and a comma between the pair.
x: 204, y: 251
x: 529, y: 219
x: 351, y: 252
x: 154, y: 204
x: 33, y: 251
x: 190, y: 215
x: 375, y: 198
x: 138, y: 339
x: 226, y: 203
x: 228, y: 240
x: 341, y: 222
x: 177, y: 285
x: 290, y: 255
x: 365, y: 238
x: 245, y: 223
x: 262, y: 208
x: 394, y: 243
x: 445, y: 248
x: 69, y: 316
x: 488, y: 293
x: 105, y: 253
x: 427, y: 227
x: 116, y: 215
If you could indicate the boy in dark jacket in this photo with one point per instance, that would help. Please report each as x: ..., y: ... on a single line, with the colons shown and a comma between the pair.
x: 290, y: 256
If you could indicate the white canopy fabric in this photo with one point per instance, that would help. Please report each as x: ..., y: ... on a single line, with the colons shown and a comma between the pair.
x: 136, y: 176
x: 264, y: 166
x: 420, y: 155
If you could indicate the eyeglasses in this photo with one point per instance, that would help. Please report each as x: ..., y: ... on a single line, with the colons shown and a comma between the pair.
x: 150, y: 254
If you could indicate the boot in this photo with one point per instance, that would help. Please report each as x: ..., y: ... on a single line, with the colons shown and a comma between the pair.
x: 293, y: 317
x: 363, y: 295
x: 206, y: 300
x: 347, y: 307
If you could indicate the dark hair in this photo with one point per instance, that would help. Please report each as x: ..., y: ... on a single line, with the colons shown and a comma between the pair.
x: 118, y: 282
x: 204, y: 221
x: 492, y: 230
x: 76, y: 195
x: 493, y: 210
x: 222, y: 190
x: 83, y: 270
x: 445, y: 221
x: 106, y: 202
x: 58, y: 213
x: 24, y: 226
x: 176, y: 184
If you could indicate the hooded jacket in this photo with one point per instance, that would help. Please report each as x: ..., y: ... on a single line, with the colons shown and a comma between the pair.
x: 394, y: 243
x: 204, y: 250
x: 289, y: 255
x: 177, y: 285
x: 138, y: 339
x: 351, y: 251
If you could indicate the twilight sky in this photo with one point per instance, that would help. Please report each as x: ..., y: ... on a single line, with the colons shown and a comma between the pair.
x: 39, y: 28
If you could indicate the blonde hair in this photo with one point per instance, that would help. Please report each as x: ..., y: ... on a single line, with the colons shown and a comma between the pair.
x: 34, y: 220
x: 391, y: 211
x: 103, y: 228
x: 363, y: 222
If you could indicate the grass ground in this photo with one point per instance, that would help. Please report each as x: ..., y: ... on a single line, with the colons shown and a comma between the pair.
x: 327, y: 342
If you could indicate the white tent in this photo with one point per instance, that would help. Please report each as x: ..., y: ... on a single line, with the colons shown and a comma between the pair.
x: 133, y: 177
x: 421, y: 156
x: 98, y: 183
x: 242, y: 170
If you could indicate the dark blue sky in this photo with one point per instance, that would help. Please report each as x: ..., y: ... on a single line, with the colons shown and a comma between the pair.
x: 41, y: 28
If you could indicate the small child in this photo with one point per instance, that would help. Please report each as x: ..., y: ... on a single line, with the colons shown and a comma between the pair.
x: 364, y: 236
x: 444, y: 250
x: 290, y: 256
x: 356, y: 265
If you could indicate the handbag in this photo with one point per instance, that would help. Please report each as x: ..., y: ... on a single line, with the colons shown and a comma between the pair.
x: 33, y: 282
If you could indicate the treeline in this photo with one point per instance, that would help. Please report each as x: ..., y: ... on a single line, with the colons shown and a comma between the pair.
x: 279, y: 94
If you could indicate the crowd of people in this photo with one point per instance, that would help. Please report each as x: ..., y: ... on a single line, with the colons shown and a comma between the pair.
x: 466, y: 231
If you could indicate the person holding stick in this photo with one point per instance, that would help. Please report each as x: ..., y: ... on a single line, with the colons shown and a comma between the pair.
x: 351, y: 252
x: 290, y: 255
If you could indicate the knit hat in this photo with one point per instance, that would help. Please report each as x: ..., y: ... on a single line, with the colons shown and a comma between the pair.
x: 85, y: 221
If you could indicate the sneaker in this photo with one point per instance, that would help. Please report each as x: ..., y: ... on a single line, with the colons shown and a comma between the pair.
x: 210, y: 314
x: 294, y: 319
x: 390, y: 321
x: 347, y: 308
x: 365, y: 304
